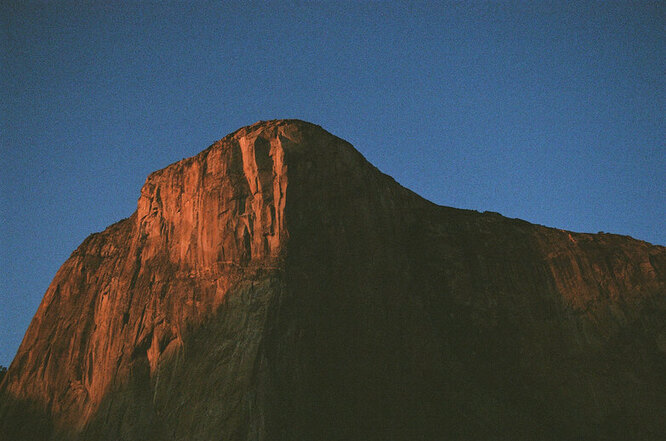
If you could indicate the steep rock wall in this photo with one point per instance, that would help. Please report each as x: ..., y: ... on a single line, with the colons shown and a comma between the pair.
x: 277, y: 287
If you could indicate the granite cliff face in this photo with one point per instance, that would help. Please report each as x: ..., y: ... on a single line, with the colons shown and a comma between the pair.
x: 278, y: 287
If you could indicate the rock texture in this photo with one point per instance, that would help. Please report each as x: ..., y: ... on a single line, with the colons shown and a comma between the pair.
x: 278, y: 287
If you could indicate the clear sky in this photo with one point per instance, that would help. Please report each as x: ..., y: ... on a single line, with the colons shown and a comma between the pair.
x: 549, y: 112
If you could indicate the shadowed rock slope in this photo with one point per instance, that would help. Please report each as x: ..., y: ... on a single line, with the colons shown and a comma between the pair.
x: 277, y: 286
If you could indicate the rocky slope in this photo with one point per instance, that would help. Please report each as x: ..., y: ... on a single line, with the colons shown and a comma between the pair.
x: 278, y: 287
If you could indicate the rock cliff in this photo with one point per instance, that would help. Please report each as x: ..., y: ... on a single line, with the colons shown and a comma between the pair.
x: 277, y: 286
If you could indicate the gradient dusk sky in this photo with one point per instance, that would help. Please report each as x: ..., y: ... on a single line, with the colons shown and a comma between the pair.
x: 552, y: 112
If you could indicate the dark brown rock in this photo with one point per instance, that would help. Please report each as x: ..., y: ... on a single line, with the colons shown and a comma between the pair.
x: 278, y: 287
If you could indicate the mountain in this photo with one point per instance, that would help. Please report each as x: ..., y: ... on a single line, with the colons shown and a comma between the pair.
x: 277, y: 286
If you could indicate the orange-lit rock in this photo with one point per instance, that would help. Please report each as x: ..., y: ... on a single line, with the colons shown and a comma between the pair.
x: 278, y: 287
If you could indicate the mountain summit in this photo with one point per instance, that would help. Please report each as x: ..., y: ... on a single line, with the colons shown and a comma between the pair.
x: 277, y: 286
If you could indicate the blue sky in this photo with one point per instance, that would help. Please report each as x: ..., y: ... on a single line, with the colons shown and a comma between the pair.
x: 552, y: 112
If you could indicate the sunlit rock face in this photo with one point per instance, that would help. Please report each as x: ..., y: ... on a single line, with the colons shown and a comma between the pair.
x: 278, y: 287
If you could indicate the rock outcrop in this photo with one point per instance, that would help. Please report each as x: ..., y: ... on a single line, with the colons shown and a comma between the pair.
x: 277, y: 286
